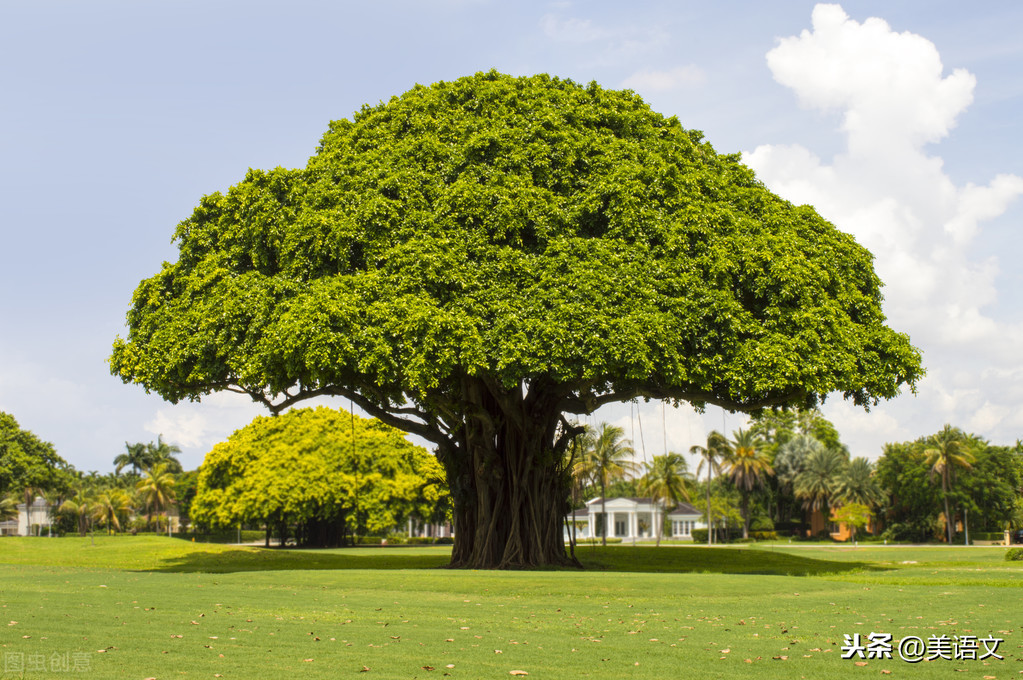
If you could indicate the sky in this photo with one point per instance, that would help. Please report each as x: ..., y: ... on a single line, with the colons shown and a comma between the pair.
x: 899, y: 122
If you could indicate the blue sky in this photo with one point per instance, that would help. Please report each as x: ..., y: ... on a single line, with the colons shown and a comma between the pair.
x: 898, y: 121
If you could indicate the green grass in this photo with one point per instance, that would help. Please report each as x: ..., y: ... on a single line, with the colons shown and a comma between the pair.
x: 638, y: 612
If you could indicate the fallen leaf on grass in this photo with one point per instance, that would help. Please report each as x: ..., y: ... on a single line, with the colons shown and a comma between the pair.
x: 780, y: 658
x: 861, y: 663
x: 428, y: 668
x: 364, y: 669
x: 518, y: 673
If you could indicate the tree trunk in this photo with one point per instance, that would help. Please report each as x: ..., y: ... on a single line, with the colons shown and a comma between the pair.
x: 509, y: 480
x: 745, y: 515
x: 948, y: 517
x: 710, y: 519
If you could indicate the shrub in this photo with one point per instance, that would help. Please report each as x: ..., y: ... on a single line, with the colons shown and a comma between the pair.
x: 764, y: 535
x: 596, y: 541
x: 369, y: 540
x: 699, y: 535
x: 1014, y: 554
x: 761, y: 524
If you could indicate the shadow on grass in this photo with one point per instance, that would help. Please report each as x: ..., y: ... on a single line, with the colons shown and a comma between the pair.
x: 612, y: 558
x: 277, y: 559
x: 711, y: 560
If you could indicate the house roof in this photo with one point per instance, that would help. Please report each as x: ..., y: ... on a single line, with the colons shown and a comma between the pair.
x: 685, y: 509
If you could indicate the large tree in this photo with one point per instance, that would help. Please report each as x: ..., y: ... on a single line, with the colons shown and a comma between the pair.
x: 474, y: 260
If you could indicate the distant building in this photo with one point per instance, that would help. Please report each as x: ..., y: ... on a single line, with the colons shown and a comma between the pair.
x: 635, y: 519
x: 35, y: 520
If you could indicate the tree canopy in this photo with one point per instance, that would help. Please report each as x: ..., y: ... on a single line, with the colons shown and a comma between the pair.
x: 474, y: 259
x: 304, y: 468
x: 27, y: 462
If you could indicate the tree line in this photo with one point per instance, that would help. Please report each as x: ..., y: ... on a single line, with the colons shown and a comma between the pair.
x: 788, y: 465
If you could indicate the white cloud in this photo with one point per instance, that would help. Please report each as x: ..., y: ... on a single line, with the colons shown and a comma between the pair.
x: 648, y: 80
x: 201, y: 425
x: 898, y: 201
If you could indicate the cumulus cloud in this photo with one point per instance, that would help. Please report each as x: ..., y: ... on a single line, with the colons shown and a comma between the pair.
x: 895, y: 98
x: 200, y: 426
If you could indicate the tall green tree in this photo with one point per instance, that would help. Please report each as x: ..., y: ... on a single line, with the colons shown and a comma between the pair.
x: 817, y: 483
x: 81, y: 505
x: 945, y: 452
x: 858, y: 484
x: 712, y: 456
x: 156, y: 490
x: 748, y: 468
x: 110, y: 506
x: 136, y: 456
x: 476, y: 260
x: 913, y: 502
x: 666, y: 482
x: 610, y: 459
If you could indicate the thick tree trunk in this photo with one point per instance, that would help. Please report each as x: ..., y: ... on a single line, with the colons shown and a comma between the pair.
x: 509, y: 481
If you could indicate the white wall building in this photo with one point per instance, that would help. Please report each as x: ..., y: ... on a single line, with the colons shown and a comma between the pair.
x: 635, y: 519
x: 35, y: 520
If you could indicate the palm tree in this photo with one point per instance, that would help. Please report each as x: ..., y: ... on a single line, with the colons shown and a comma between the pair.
x: 945, y: 451
x: 8, y: 509
x: 162, y: 452
x: 816, y: 484
x: 579, y: 451
x: 156, y: 490
x: 747, y: 467
x: 136, y: 457
x: 665, y: 482
x: 610, y: 459
x: 80, y: 506
x: 109, y: 505
x: 858, y: 485
x: 711, y: 455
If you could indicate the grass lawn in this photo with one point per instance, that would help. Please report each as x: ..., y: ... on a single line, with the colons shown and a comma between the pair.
x: 153, y: 607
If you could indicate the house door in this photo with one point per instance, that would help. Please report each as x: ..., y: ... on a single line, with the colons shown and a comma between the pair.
x: 621, y: 527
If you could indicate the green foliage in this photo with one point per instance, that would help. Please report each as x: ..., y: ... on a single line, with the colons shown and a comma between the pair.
x: 1014, y: 554
x: 816, y: 485
x: 27, y: 462
x: 304, y: 466
x: 524, y: 246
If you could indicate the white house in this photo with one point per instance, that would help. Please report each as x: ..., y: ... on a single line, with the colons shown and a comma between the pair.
x: 634, y: 519
x: 32, y: 521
